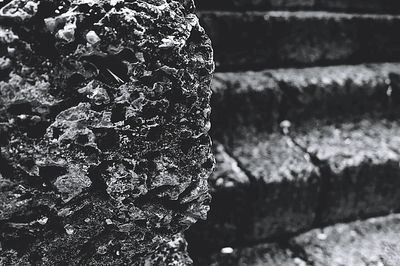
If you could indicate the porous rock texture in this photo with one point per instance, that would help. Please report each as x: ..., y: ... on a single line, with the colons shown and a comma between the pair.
x: 104, y: 119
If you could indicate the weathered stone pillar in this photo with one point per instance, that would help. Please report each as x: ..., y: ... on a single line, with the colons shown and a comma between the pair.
x: 104, y: 119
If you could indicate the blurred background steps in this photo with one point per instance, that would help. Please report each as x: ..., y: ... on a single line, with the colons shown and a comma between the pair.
x: 335, y: 158
x: 271, y: 186
x: 257, y: 40
x: 305, y: 115
x: 375, y: 241
x: 356, y: 6
x: 262, y: 100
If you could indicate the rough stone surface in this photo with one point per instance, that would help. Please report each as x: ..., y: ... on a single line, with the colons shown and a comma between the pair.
x: 280, y: 196
x: 172, y: 253
x: 256, y: 40
x: 359, y: 162
x: 104, y: 113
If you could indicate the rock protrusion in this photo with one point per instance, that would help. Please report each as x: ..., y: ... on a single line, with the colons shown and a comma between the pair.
x: 104, y: 119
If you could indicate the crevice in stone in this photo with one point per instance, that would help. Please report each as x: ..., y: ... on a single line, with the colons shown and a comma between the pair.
x: 98, y: 183
x: 5, y: 74
x: 4, y: 135
x: 106, y: 138
x: 42, y: 42
x: 51, y: 172
x: 298, y: 251
x: 152, y: 197
x: 112, y: 69
x: 154, y: 133
x: 20, y: 232
x: 20, y: 176
x: 249, y: 175
x: 324, y: 180
x: 3, y: 3
x: 78, y: 200
x: 38, y: 130
x: 208, y: 164
x: 6, y: 170
x: 193, y: 185
x: 20, y: 242
x: 118, y: 113
x: 175, y: 205
x: 19, y: 108
x: 187, y: 144
x: 88, y: 249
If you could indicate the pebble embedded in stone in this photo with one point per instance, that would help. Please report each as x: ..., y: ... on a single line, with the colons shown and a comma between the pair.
x: 43, y: 220
x: 92, y: 37
x: 69, y: 229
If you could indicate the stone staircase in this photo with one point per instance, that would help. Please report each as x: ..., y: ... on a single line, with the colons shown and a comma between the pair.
x: 306, y: 133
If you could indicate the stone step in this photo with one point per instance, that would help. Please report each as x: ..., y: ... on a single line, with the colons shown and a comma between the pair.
x: 256, y: 40
x: 270, y: 185
x: 375, y: 241
x: 372, y: 6
x: 359, y: 163
x: 277, y: 193
x: 263, y: 99
x: 269, y: 254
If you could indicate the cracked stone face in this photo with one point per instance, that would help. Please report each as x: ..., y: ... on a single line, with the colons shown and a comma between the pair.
x: 104, y: 119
